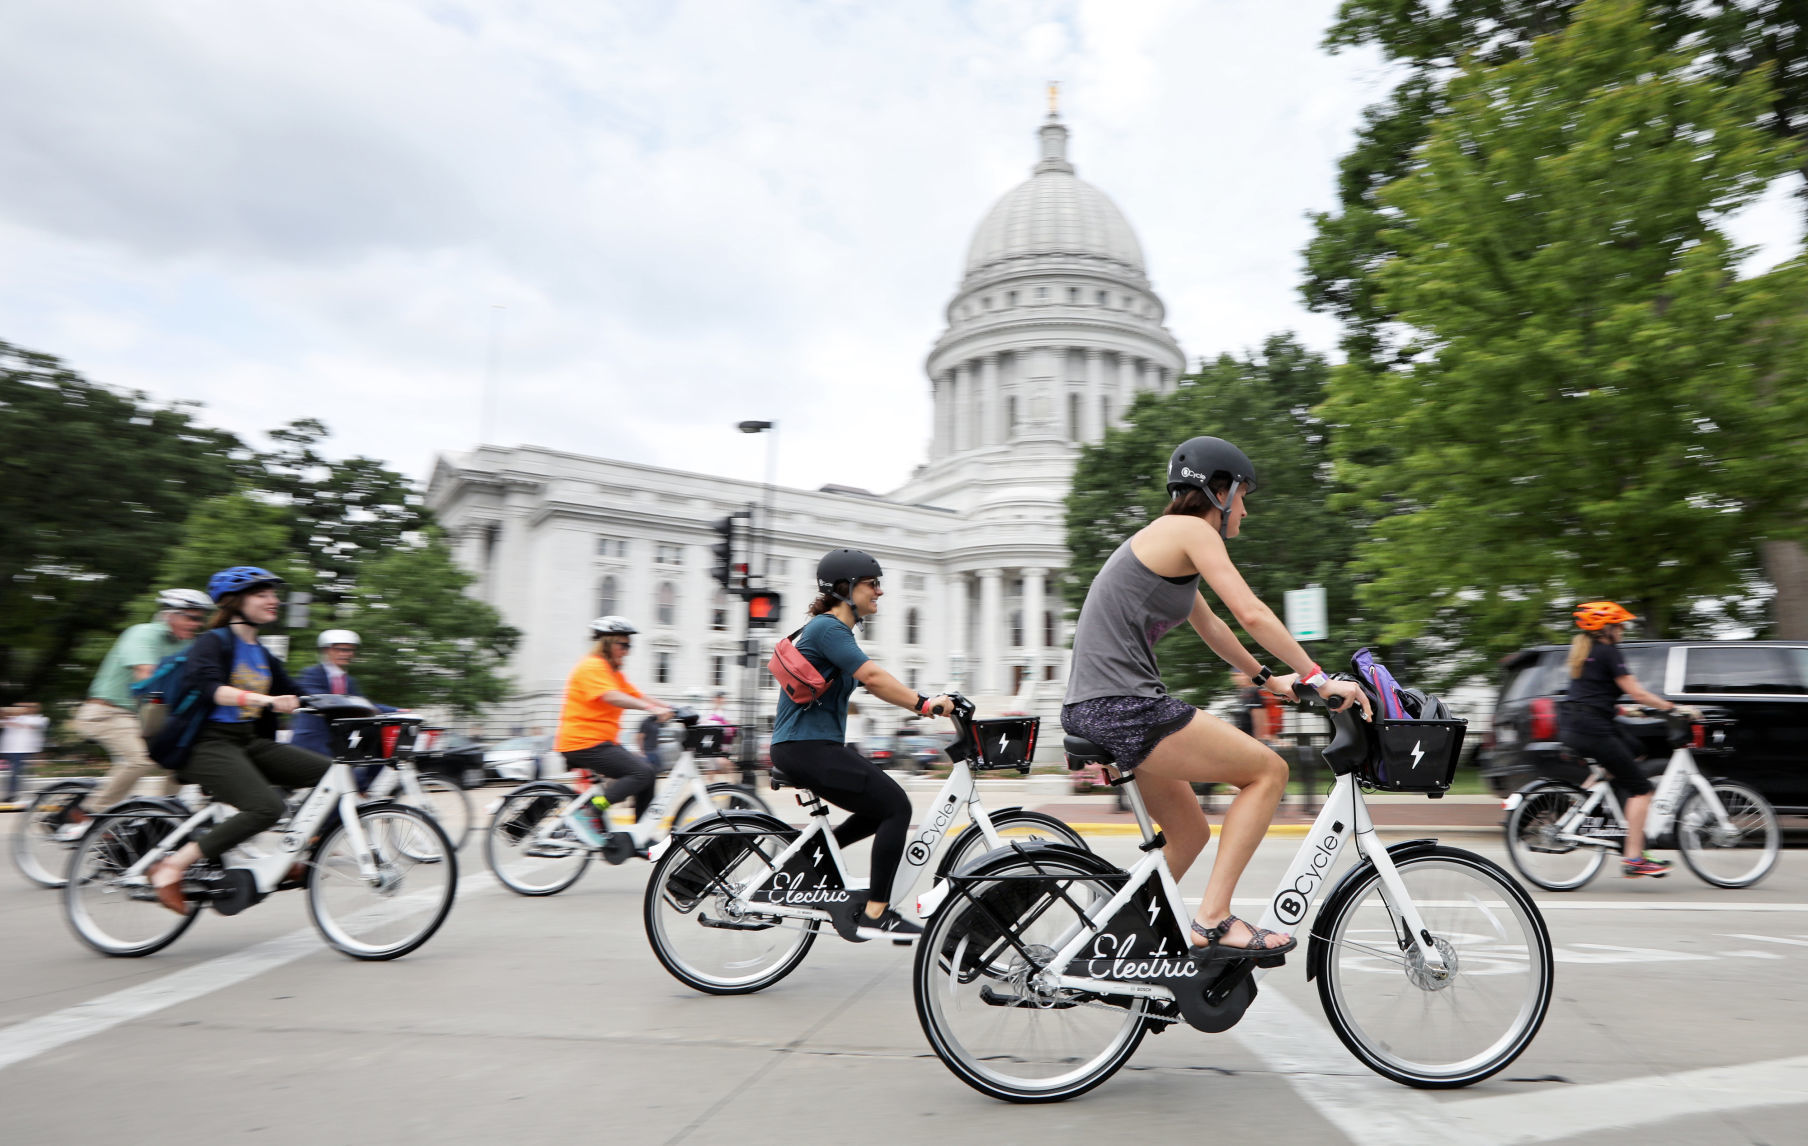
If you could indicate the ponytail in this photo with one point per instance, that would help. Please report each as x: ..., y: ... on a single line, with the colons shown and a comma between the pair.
x: 826, y: 602
x: 1579, y: 648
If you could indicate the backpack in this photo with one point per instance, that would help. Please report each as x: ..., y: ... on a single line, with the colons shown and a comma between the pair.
x: 1381, y: 683
x: 171, y: 710
x: 800, y: 679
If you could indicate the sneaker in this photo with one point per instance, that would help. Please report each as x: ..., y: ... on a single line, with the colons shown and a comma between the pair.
x: 69, y: 833
x: 1644, y: 865
x: 890, y: 925
x: 591, y: 826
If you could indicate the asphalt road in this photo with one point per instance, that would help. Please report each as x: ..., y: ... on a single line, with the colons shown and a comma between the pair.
x: 1680, y: 1017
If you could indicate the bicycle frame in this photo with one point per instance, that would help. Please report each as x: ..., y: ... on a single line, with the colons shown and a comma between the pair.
x: 1680, y: 775
x: 1343, y: 816
x: 337, y: 791
x: 685, y: 778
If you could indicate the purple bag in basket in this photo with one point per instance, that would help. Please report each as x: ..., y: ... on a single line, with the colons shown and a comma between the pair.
x: 1381, y: 683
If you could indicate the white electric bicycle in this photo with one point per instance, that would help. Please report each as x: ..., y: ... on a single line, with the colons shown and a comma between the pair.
x: 431, y: 792
x: 1559, y: 834
x: 533, y: 843
x: 736, y: 901
x: 1043, y: 967
x: 380, y: 875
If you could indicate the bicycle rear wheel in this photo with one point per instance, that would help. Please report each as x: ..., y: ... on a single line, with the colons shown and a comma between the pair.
x: 1013, y: 826
x: 1739, y: 852
x: 977, y: 992
x: 40, y: 856
x: 1424, y: 1026
x: 399, y: 904
x: 1553, y: 861
x: 109, y: 913
x: 445, y: 802
x: 530, y: 851
x: 699, y: 929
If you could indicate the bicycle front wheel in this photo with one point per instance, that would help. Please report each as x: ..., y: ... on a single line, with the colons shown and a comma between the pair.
x: 1543, y: 849
x: 109, y: 911
x: 40, y: 856
x: 383, y: 902
x: 1428, y: 1026
x: 445, y: 802
x: 530, y: 851
x: 699, y: 928
x: 1737, y: 851
x: 1017, y: 826
x: 979, y: 993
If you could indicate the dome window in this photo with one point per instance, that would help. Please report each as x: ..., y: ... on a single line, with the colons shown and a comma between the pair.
x: 1041, y: 294
x: 1073, y: 294
x: 987, y: 301
x: 1010, y: 298
x: 1104, y: 299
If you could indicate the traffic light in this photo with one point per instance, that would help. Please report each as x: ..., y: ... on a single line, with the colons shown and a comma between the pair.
x: 722, y: 568
x: 763, y: 607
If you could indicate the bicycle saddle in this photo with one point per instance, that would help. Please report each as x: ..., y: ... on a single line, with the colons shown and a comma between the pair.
x: 1081, y: 752
x: 780, y: 780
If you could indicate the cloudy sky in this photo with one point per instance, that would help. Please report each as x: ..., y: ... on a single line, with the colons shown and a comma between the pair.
x: 645, y: 221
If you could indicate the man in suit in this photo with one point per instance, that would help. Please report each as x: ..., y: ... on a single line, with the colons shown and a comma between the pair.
x: 337, y: 648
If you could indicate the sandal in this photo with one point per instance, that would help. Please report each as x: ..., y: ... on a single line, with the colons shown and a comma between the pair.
x: 1258, y: 940
x: 170, y: 894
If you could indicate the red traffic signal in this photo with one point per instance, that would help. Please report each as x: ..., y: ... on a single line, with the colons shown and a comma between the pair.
x: 763, y: 608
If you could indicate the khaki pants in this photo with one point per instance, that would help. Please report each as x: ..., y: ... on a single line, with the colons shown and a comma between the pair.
x: 117, y: 731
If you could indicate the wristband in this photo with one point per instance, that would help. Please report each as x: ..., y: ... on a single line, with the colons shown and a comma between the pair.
x: 921, y: 701
x: 1261, y: 676
x: 1316, y: 679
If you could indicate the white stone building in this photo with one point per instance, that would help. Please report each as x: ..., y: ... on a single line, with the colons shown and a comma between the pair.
x: 1053, y: 331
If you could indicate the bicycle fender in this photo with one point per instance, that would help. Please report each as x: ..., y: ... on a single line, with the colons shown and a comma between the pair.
x: 750, y: 821
x: 1524, y: 790
x: 941, y: 865
x: 1318, y: 950
x: 166, y: 804
x: 545, y: 787
x: 1017, y: 851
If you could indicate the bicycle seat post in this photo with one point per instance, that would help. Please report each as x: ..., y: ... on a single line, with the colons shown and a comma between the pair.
x: 1135, y: 799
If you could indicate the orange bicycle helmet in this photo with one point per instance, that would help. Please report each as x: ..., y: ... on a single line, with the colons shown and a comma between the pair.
x: 1597, y: 615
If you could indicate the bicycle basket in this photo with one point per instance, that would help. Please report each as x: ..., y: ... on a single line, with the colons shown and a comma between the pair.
x: 370, y: 738
x: 1412, y: 755
x: 708, y: 739
x: 1005, y: 742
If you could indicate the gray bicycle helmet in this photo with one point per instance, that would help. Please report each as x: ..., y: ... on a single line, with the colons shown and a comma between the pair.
x: 184, y: 601
x: 1196, y: 461
x: 612, y: 626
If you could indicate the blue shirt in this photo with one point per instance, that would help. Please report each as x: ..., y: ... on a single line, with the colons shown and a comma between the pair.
x: 251, y: 672
x: 829, y: 645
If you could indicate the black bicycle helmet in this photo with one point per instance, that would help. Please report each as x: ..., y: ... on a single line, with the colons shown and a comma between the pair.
x: 848, y: 565
x: 1196, y: 461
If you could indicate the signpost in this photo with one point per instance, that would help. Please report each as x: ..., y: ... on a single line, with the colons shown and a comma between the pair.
x: 1306, y: 613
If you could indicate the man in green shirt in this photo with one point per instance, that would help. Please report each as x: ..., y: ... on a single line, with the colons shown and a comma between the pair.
x: 109, y: 716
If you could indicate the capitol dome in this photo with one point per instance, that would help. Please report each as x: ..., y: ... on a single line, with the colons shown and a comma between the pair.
x: 1054, y: 213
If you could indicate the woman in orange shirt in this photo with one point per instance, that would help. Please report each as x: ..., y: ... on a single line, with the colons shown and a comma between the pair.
x: 591, y: 722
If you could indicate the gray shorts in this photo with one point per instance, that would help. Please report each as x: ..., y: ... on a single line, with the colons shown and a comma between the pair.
x: 1128, y: 727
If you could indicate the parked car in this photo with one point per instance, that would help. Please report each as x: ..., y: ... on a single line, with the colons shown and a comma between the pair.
x: 1761, y: 686
x: 517, y: 759
x: 454, y: 756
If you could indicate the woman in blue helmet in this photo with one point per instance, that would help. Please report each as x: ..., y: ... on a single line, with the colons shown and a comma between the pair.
x: 236, y: 756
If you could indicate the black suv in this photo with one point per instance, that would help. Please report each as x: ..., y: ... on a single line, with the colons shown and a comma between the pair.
x: 1761, y: 685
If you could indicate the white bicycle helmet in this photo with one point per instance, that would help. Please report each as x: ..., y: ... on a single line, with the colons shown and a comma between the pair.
x: 612, y: 626
x: 185, y: 600
x: 337, y: 637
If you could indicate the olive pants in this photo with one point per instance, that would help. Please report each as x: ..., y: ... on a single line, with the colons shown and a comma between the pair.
x: 238, y: 767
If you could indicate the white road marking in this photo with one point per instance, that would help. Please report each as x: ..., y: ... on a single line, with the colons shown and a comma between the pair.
x: 1751, y: 955
x: 33, y: 1037
x: 1547, y: 905
x: 1772, y: 939
x: 1612, y: 953
x: 1572, y: 1111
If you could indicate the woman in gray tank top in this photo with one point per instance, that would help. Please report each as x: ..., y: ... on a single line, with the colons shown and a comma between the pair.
x: 1115, y: 697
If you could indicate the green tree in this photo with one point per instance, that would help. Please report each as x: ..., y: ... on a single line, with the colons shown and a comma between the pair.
x: 426, y: 642
x: 1263, y: 403
x: 94, y: 485
x: 1589, y: 403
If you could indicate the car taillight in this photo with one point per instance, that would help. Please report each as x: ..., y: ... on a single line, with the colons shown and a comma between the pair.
x: 1544, y: 719
x: 1698, y: 736
x: 391, y: 734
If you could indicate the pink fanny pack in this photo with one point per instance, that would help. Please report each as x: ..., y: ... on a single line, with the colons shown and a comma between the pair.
x: 796, y: 675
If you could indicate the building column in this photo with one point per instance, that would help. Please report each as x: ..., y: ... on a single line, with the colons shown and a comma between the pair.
x: 1151, y: 376
x: 964, y: 433
x: 956, y: 612
x: 1091, y: 416
x: 991, y: 413
x: 941, y: 387
x: 1034, y: 586
x: 1126, y: 382
x: 988, y: 672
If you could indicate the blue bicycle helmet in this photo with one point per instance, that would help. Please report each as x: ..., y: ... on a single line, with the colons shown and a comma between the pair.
x: 238, y: 579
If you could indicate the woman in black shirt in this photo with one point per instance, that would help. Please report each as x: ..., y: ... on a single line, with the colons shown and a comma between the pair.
x: 1598, y: 676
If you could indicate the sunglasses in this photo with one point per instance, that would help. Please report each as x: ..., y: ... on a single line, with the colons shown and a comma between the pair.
x: 873, y: 581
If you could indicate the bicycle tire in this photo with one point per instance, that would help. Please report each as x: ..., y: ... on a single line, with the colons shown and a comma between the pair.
x: 96, y: 907
x: 1458, y: 894
x: 39, y: 857
x: 398, y: 835
x: 681, y: 893
x: 516, y: 820
x: 1698, y: 835
x: 975, y: 998
x: 1534, y: 850
x: 1011, y: 824
x: 724, y: 797
x: 444, y: 801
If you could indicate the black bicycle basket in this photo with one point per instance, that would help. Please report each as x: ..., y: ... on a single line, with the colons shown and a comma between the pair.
x: 371, y: 738
x: 705, y: 739
x: 1005, y: 742
x: 1412, y: 755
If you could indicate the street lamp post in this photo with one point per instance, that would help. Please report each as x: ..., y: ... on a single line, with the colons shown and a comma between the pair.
x: 750, y: 646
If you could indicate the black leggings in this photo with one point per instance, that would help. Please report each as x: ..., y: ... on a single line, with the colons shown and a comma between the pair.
x: 850, y: 781
x: 628, y: 774
x: 1614, y: 749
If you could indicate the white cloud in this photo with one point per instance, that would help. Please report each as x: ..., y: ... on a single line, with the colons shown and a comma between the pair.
x: 694, y: 211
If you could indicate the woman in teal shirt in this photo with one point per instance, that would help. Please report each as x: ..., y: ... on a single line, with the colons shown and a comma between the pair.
x: 809, y: 741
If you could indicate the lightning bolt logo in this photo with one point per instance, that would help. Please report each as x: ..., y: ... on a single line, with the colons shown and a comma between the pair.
x: 352, y: 741
x: 1154, y: 910
x: 1418, y: 751
x: 816, y: 860
x: 1003, y: 743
